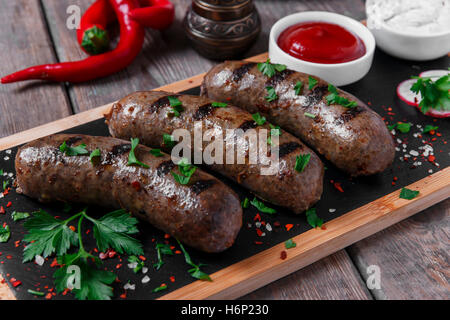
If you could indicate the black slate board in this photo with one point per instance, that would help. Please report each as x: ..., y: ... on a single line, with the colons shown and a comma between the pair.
x: 378, y: 88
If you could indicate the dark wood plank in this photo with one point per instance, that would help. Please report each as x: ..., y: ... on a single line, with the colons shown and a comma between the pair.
x: 413, y: 256
x: 332, y: 278
x: 24, y: 41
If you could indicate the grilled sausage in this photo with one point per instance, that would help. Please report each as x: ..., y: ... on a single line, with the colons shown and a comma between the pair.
x: 355, y: 139
x: 205, y: 214
x: 146, y: 115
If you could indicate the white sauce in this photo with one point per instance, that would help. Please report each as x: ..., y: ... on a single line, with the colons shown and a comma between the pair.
x: 422, y: 17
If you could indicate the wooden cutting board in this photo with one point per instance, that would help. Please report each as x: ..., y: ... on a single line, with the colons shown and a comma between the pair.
x: 378, y: 207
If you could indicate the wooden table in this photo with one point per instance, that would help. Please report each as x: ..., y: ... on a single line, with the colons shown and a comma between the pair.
x: 412, y: 255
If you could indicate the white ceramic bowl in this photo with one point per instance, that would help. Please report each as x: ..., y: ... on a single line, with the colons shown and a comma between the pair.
x: 416, y: 47
x: 338, y: 74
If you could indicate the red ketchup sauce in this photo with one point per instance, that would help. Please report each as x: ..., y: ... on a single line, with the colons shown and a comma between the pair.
x: 321, y: 42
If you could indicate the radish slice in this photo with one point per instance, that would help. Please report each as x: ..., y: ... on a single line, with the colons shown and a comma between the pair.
x: 404, y: 92
x: 434, y: 73
x: 438, y: 113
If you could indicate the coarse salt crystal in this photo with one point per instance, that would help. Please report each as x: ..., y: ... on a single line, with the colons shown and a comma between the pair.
x: 132, y: 265
x: 430, y: 171
x: 145, y: 279
x: 257, y: 224
x: 144, y: 270
x: 39, y: 260
x: 413, y: 153
x: 6, y: 158
x: 268, y: 227
x: 10, y: 174
x: 129, y: 286
x: 8, y: 151
x: 399, y: 141
x: 331, y: 210
x: 397, y: 149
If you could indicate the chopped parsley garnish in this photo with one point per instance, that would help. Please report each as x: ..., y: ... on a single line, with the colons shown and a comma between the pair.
x: 428, y: 128
x: 36, y: 293
x: 219, y: 104
x: 298, y: 87
x: 174, y: 102
x: 73, y: 151
x: 335, y: 98
x: 161, y: 248
x: 160, y: 288
x: 311, y: 82
x: 275, y: 131
x: 400, y: 126
x: 168, y: 140
x: 245, y: 203
x: 136, y: 261
x: 408, y: 194
x: 271, y: 94
x: 290, y: 244
x: 5, y: 184
x: 156, y: 152
x: 176, y: 105
x: 5, y: 233
x: 309, y: 115
x: 132, y: 160
x: 312, y: 218
x: 269, y: 69
x: 186, y: 170
x: 434, y: 94
x: 19, y: 215
x: 195, y: 272
x: 262, y: 207
x: 301, y: 162
x: 259, y: 119
x: 95, y: 155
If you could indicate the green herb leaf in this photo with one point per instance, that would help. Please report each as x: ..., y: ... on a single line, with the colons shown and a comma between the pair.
x: 434, y: 94
x: 132, y: 160
x: 5, y: 184
x: 262, y: 207
x: 272, y: 95
x: 174, y: 101
x: 312, y: 218
x: 260, y: 120
x: 156, y: 152
x: 301, y: 162
x: 219, y: 104
x: 429, y: 128
x: 36, y: 293
x: 195, y: 272
x: 269, y: 69
x: 275, y: 130
x: 290, y: 244
x: 334, y: 98
x: 73, y: 151
x: 5, y: 233
x: 160, y: 288
x: 408, y: 194
x: 298, y: 87
x: 186, y: 170
x: 245, y: 203
x: 139, y: 263
x: 311, y: 82
x: 168, y: 141
x: 404, y: 127
x: 19, y: 215
x: 95, y: 155
x: 309, y: 115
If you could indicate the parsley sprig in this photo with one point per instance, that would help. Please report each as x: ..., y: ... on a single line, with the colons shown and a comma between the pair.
x: 262, y: 207
x: 73, y: 151
x: 132, y: 159
x: 335, y: 98
x: 177, y: 106
x: 269, y: 69
x: 162, y: 248
x: 434, y: 94
x: 313, y: 219
x: 195, y: 272
x: 259, y: 119
x: 271, y: 94
x: 186, y: 170
x: 5, y: 233
x: 301, y: 162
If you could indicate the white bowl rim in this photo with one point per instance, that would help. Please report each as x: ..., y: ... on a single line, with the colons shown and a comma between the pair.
x: 370, y: 47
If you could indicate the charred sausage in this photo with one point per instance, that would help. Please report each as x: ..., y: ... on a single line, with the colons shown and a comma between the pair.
x: 355, y: 139
x: 146, y: 115
x: 205, y: 214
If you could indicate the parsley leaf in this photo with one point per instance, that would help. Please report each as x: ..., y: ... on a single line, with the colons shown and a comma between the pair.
x: 269, y: 69
x: 245, y: 203
x: 186, y: 170
x: 19, y: 215
x: 136, y: 261
x: 260, y: 120
x: 262, y: 207
x: 132, y: 160
x: 5, y: 233
x: 434, y: 94
x: 73, y: 151
x: 301, y: 162
x: 408, y: 194
x: 311, y: 82
x: 428, y: 128
x: 156, y: 152
x: 177, y: 106
x: 272, y: 95
x: 160, y: 288
x: 219, y: 104
x: 312, y: 218
x: 95, y: 155
x: 168, y: 141
x: 298, y: 87
x: 5, y: 184
x: 275, y: 130
x: 290, y: 244
x: 403, y: 127
x: 309, y: 115
x: 195, y: 272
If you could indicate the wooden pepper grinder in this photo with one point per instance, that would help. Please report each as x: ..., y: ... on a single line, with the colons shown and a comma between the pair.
x: 222, y: 29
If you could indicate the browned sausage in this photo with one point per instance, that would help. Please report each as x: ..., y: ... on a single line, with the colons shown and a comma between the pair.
x: 355, y: 139
x: 205, y: 214
x: 146, y: 115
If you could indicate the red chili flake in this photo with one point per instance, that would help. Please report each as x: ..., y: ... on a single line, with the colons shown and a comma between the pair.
x: 5, y: 193
x: 338, y: 186
x: 65, y: 292
x: 369, y: 103
x: 283, y: 255
x: 123, y: 295
x: 172, y: 279
x: 2, y: 210
x: 54, y: 263
x: 102, y: 256
x: 395, y: 178
x: 289, y: 226
x: 166, y: 236
x: 393, y: 183
x: 431, y: 158
x: 17, y: 243
x: 177, y: 252
x: 87, y: 232
x: 258, y: 242
x: 438, y: 134
x: 257, y: 217
x: 259, y: 232
x: 144, y: 258
x: 48, y: 296
x: 118, y: 266
x: 434, y: 139
x: 111, y: 253
x: 136, y: 185
x: 276, y: 224
x: 72, y: 228
x: 190, y: 81
x: 9, y: 257
x: 9, y: 204
x: 323, y: 227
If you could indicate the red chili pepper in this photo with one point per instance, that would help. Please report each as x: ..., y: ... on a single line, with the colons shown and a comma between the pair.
x: 130, y: 44
x: 92, y: 34
x: 158, y: 14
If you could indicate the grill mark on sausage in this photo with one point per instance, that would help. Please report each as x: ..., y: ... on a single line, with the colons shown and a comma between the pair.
x: 287, y: 148
x: 242, y: 70
x: 278, y: 77
x: 73, y: 140
x: 161, y: 103
x: 202, y: 185
x: 203, y: 111
x: 165, y: 167
x: 116, y: 151
x: 316, y: 95
x: 249, y: 124
x: 350, y: 114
